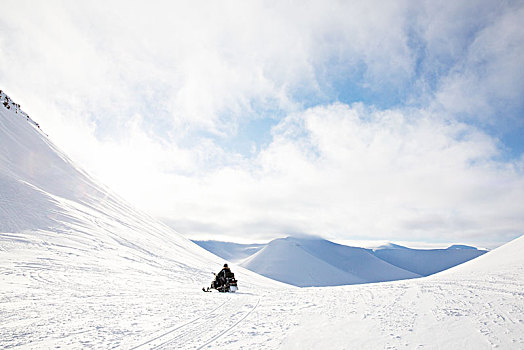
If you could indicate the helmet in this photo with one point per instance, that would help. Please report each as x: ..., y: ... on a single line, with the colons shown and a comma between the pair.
x: 225, y: 265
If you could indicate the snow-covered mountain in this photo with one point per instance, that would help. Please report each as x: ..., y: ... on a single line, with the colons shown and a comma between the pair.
x: 318, y: 262
x: 49, y: 202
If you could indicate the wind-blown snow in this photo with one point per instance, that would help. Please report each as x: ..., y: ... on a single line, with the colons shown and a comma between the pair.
x: 80, y: 268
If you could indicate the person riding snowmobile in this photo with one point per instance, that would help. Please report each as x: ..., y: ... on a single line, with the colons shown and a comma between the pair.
x: 224, y: 281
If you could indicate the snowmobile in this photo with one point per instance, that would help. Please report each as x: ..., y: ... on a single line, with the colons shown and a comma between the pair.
x: 223, y: 285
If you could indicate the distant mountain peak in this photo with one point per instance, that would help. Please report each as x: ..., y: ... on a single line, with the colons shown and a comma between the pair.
x: 304, y: 237
x: 461, y: 246
x: 391, y: 246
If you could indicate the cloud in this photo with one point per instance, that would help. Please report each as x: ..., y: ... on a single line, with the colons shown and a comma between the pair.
x: 152, y: 98
x: 204, y: 66
x: 486, y: 83
x: 343, y: 170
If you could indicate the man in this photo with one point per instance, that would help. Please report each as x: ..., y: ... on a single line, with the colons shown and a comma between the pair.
x: 223, y: 275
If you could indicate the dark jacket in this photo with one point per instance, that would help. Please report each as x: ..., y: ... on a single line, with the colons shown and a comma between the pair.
x: 225, y: 273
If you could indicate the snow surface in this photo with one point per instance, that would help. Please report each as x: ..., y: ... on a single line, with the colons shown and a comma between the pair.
x: 80, y: 268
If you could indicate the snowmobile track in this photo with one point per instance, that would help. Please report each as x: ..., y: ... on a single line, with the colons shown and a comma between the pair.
x: 230, y: 328
x: 175, y: 329
x: 207, y: 328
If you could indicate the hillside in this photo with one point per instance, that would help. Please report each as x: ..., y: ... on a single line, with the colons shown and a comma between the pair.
x: 49, y: 202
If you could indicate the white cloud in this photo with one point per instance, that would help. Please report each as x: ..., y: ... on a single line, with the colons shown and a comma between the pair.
x: 142, y: 94
x: 340, y: 170
x: 205, y: 64
x: 479, y: 47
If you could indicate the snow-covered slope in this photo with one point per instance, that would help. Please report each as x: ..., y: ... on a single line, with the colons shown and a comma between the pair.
x: 46, y: 199
x: 318, y: 262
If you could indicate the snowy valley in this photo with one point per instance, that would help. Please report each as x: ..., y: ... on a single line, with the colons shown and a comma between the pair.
x: 81, y: 268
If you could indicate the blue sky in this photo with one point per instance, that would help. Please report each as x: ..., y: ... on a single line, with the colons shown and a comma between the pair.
x: 249, y: 121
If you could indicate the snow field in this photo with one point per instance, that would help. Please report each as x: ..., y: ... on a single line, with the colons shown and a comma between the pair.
x: 413, y: 314
x: 45, y: 306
